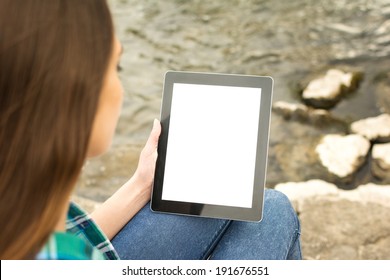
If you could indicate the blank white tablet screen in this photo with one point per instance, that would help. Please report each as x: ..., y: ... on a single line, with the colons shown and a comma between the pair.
x: 211, y: 150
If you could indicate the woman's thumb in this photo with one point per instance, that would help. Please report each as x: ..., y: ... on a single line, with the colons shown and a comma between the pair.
x: 154, y: 134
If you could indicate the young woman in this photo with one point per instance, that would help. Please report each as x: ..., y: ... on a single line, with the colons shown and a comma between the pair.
x: 60, y: 99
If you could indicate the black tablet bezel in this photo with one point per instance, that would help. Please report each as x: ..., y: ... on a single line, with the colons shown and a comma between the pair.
x: 208, y: 210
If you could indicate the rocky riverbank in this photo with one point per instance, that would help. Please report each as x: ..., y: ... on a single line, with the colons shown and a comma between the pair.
x: 336, y: 223
x: 296, y: 42
x: 339, y: 224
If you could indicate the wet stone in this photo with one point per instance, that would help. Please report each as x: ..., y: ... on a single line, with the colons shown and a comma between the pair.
x: 304, y: 114
x: 364, y: 233
x: 336, y: 223
x: 342, y: 155
x: 381, y: 162
x: 375, y: 128
x: 326, y: 91
x: 291, y: 110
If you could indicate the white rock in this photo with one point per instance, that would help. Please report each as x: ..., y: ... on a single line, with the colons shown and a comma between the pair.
x: 304, y: 190
x: 347, y: 225
x: 329, y: 86
x: 299, y: 192
x: 342, y: 155
x: 381, y: 162
x: 288, y: 110
x: 289, y: 107
x: 369, y: 193
x: 375, y: 128
x: 381, y: 152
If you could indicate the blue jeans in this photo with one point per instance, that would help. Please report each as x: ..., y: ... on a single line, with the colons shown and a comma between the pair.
x: 172, y: 237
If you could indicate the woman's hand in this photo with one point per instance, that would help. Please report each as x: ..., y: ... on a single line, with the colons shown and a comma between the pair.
x: 147, y: 162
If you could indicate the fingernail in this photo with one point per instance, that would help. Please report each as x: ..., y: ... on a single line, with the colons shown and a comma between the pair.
x: 155, y: 122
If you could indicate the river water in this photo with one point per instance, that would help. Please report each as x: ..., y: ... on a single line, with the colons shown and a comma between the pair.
x: 291, y: 41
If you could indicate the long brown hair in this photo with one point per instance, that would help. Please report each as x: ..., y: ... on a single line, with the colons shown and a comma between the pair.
x: 53, y: 57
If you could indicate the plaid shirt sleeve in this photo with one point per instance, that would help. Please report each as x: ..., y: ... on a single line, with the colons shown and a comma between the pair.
x: 83, y: 240
x: 80, y: 224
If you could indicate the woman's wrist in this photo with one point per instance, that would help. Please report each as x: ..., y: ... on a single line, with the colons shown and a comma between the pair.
x: 137, y: 189
x: 122, y: 206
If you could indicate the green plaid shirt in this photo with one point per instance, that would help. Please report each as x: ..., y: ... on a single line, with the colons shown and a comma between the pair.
x: 83, y: 240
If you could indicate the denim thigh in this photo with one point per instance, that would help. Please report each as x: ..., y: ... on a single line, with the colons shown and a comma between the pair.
x: 152, y: 235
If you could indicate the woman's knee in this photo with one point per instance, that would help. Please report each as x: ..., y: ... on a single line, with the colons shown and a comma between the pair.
x: 277, y: 205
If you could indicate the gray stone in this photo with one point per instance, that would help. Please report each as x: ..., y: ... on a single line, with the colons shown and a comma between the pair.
x: 374, y: 129
x: 342, y: 155
x: 344, y: 229
x: 338, y: 224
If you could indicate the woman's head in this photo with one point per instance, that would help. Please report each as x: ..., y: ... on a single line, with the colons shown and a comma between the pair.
x: 54, y: 56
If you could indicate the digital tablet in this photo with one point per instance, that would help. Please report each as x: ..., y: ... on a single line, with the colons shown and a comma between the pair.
x: 212, y: 151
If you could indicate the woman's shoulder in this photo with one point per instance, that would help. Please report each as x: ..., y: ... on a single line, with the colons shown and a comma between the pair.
x: 80, y: 224
x: 66, y: 246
